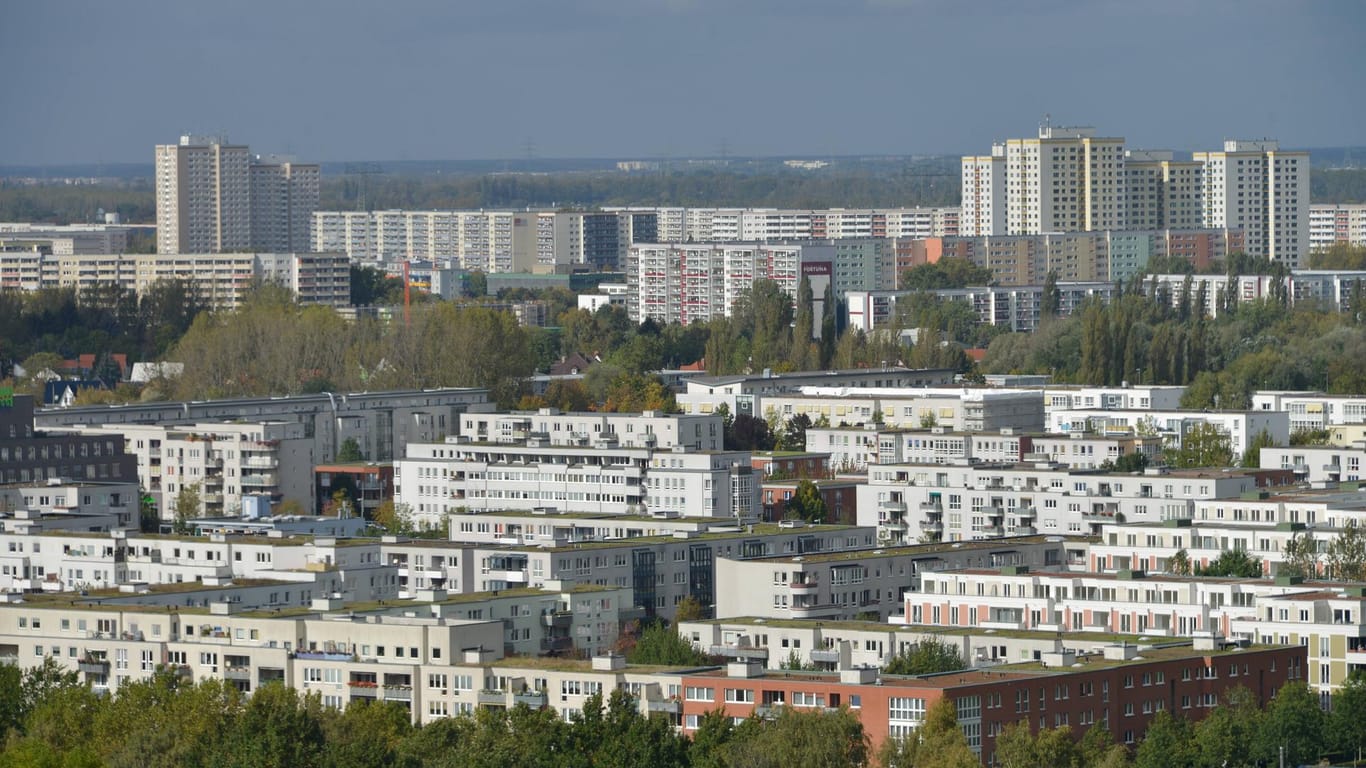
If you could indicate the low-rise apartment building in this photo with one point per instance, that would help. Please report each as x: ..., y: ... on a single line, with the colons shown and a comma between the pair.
x: 66, y: 505
x: 748, y: 394
x: 382, y: 423
x: 1312, y: 410
x: 962, y: 410
x: 910, y: 502
x: 221, y: 462
x: 866, y: 584
x: 438, y: 479
x: 1119, y: 688
x: 1318, y: 465
x: 1241, y: 427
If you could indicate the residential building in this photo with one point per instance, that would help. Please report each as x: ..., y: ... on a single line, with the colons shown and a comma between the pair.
x: 219, y: 461
x: 745, y: 393
x: 862, y: 584
x: 63, y: 240
x: 1312, y: 410
x: 966, y: 410
x: 367, y: 485
x: 1241, y: 427
x: 284, y: 195
x: 1264, y: 191
x: 1162, y: 192
x: 203, y: 196
x: 1331, y: 223
x: 440, y: 478
x: 215, y: 197
x: 984, y: 194
x: 695, y: 282
x: 58, y: 504
x: 1119, y: 688
x: 1017, y: 308
x: 1066, y: 180
x: 220, y: 280
x: 485, y: 241
x: 29, y: 455
x: 961, y: 502
x: 1318, y: 465
x: 838, y: 494
x: 595, y: 239
x: 1127, y: 396
x: 382, y: 423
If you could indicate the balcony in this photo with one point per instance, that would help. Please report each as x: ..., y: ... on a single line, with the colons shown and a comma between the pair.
x: 488, y: 698
x: 892, y: 505
x: 557, y: 644
x: 825, y: 655
x: 1097, y: 516
x: 815, y: 611
x: 932, y: 526
x: 557, y: 619
x: 93, y: 666
x: 669, y: 706
x: 993, y: 530
x: 237, y: 673
x: 931, y: 508
x: 894, y: 524
x: 1024, y: 530
x: 398, y: 693
x: 533, y: 699
x: 1027, y: 513
x: 803, y: 587
x: 740, y: 652
x: 258, y: 481
x: 511, y: 577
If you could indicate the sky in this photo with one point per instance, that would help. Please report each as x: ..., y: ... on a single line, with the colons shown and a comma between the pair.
x: 332, y: 80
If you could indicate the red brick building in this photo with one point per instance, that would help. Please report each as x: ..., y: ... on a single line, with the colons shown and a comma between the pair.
x: 841, y: 499
x: 367, y: 484
x: 1121, y: 689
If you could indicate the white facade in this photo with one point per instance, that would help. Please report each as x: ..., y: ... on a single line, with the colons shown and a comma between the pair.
x: 203, y: 196
x: 485, y: 241
x: 1256, y: 187
x: 984, y: 194
x: 1313, y: 410
x: 213, y: 197
x: 718, y: 225
x: 686, y: 283
x: 1066, y: 180
x: 1242, y: 427
x: 908, y: 502
x: 1318, y: 464
x: 222, y: 461
x: 1336, y: 223
x: 220, y: 280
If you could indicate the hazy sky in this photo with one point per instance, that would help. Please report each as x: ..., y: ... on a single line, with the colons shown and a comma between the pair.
x: 105, y: 80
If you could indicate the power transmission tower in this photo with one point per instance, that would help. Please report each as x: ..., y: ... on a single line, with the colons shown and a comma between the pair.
x: 364, y: 171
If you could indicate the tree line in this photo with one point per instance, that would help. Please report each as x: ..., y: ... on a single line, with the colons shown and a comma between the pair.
x: 929, y: 182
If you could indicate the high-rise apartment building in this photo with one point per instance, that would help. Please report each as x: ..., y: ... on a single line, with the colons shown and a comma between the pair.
x: 1066, y: 180
x: 1256, y: 187
x: 284, y: 195
x: 1162, y: 193
x: 214, y: 197
x: 203, y: 194
x: 984, y: 194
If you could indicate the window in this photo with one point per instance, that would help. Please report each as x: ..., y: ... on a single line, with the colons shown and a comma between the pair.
x: 701, y: 694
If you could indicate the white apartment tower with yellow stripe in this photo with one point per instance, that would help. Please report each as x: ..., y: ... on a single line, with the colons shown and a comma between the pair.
x: 1264, y: 191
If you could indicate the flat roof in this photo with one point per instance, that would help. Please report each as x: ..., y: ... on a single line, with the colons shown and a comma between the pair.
x: 914, y: 550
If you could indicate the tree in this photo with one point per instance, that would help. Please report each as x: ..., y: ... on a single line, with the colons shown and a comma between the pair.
x: 793, y: 436
x: 1204, y: 445
x: 1252, y: 457
x: 365, y: 734
x: 938, y: 743
x: 187, y: 506
x: 807, y: 503
x: 1180, y: 563
x: 1301, y: 556
x: 927, y: 657
x: 803, y: 326
x: 1233, y: 562
x: 948, y: 272
x: 1051, y: 302
x: 800, y: 737
x: 1228, y: 734
x: 689, y: 609
x: 1347, y: 553
x: 1168, y: 743
x: 350, y: 451
x: 1346, y: 726
x: 279, y: 728
x: 1294, y: 721
x: 659, y: 644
